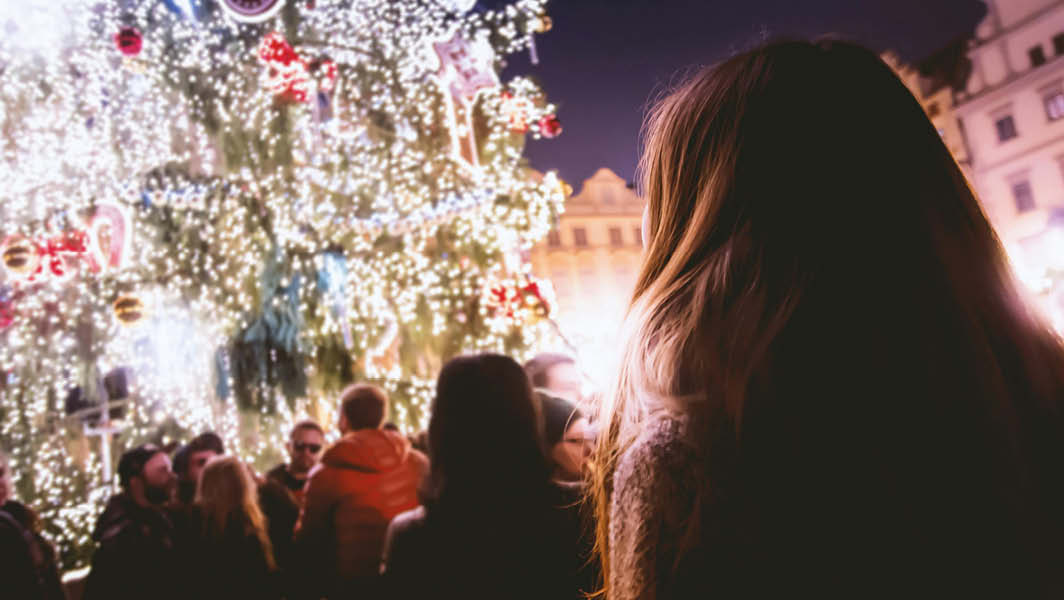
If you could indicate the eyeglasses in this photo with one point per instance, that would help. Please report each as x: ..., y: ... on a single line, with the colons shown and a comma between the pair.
x: 588, y: 440
x: 314, y: 448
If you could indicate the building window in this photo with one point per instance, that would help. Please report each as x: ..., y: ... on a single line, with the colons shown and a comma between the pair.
x: 1058, y: 43
x: 616, y: 237
x: 1038, y: 56
x: 554, y: 239
x: 580, y: 237
x: 1022, y: 194
x: 1006, y: 128
x: 638, y: 231
x: 932, y: 110
x: 1055, y: 105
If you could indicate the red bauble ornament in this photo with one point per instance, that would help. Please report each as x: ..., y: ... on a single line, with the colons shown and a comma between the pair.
x: 129, y: 41
x: 550, y: 126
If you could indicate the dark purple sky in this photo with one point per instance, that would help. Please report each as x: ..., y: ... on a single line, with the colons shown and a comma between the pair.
x: 605, y: 59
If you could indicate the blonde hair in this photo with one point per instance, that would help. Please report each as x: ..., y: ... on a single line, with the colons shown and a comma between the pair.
x: 227, y: 493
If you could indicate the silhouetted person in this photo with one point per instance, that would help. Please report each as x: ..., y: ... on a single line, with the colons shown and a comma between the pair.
x: 556, y: 374
x: 229, y: 554
x: 567, y: 437
x: 281, y: 495
x: 831, y: 384
x: 28, y: 567
x: 189, y: 462
x: 493, y: 524
x: 135, y: 557
x: 365, y: 479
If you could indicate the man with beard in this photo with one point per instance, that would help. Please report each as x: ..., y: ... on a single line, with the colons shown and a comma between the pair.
x: 136, y: 539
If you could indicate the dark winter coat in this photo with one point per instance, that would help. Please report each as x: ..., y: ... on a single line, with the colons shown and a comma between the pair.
x: 281, y: 505
x: 527, y: 557
x: 225, y: 565
x: 135, y: 556
x: 28, y: 568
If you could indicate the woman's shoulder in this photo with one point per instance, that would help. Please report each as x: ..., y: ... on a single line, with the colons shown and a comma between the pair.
x: 661, y: 452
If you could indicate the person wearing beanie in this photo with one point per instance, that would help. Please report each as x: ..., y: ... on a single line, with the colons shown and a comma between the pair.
x: 566, y: 436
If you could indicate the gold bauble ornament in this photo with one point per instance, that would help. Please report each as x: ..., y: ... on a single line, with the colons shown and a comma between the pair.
x: 20, y: 256
x: 129, y: 310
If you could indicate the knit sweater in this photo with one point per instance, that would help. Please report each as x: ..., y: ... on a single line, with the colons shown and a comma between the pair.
x: 654, y: 488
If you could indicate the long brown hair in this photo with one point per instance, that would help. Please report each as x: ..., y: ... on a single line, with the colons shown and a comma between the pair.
x: 228, y: 497
x: 816, y: 261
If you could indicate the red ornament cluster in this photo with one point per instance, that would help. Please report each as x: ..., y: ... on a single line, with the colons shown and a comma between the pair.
x: 289, y: 74
x: 550, y: 126
x: 129, y: 41
x: 510, y: 299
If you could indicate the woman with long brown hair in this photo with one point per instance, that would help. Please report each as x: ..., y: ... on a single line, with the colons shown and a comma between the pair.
x: 493, y: 524
x: 831, y: 383
x: 229, y: 555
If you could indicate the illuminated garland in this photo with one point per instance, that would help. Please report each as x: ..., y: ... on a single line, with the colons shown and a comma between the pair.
x: 324, y: 193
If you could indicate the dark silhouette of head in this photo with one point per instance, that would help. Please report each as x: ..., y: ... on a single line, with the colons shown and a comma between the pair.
x: 823, y: 297
x: 145, y: 475
x: 362, y: 406
x: 485, y: 447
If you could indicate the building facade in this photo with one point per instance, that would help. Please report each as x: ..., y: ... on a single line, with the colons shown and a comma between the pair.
x: 592, y: 258
x: 1012, y: 115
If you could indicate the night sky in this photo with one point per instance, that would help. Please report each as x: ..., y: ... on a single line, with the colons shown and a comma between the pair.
x: 604, y: 60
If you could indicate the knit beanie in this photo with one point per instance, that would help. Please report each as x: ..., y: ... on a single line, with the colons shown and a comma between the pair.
x: 558, y: 414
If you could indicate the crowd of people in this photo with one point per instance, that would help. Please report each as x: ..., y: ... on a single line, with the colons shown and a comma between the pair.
x: 369, y: 516
x: 831, y: 386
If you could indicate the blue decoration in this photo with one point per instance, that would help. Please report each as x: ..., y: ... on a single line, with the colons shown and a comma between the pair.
x: 332, y: 280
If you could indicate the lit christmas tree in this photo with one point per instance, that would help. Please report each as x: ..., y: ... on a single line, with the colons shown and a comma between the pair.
x: 213, y: 215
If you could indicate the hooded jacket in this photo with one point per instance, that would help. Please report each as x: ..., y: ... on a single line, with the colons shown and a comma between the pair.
x: 362, y: 483
x: 135, y: 554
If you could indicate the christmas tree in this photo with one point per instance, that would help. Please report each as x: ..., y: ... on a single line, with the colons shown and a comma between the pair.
x: 215, y: 214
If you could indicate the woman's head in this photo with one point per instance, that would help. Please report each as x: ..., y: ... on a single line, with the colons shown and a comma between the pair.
x: 780, y: 173
x: 567, y: 436
x: 227, y: 495
x: 484, y: 433
x: 815, y: 259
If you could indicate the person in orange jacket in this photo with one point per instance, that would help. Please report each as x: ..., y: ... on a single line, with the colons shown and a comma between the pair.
x: 364, y: 480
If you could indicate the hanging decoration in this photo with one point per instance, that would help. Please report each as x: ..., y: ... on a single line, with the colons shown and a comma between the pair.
x: 517, y: 110
x: 20, y: 256
x: 466, y: 68
x: 109, y: 232
x: 252, y: 11
x: 550, y: 127
x: 129, y: 310
x: 7, y: 308
x: 517, y: 299
x: 286, y: 74
x: 128, y: 40
x: 332, y: 283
